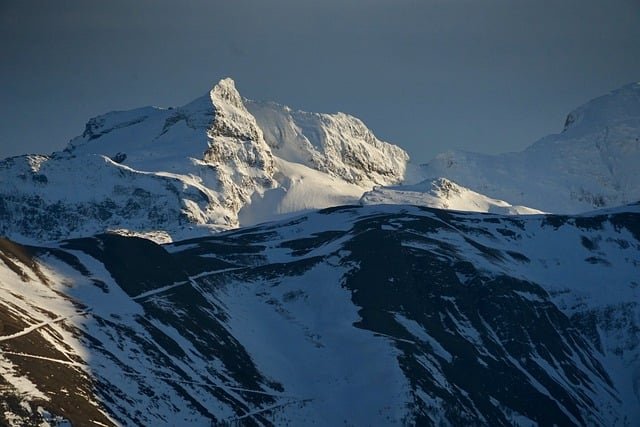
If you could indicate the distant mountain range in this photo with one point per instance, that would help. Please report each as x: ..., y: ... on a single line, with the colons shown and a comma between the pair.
x: 473, y: 290
x: 223, y: 161
x: 593, y: 163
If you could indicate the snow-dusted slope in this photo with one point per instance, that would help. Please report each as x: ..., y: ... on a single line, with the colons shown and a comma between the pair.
x: 591, y: 164
x: 178, y: 172
x: 442, y: 194
x: 301, y: 189
x: 374, y: 315
x: 338, y: 144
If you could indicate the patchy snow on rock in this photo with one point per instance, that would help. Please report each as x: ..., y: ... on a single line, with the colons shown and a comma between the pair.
x: 357, y: 315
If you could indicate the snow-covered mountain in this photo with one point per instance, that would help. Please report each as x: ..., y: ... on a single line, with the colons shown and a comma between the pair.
x: 369, y: 314
x: 362, y: 315
x: 442, y: 194
x: 223, y: 161
x: 338, y: 144
x: 172, y: 173
x: 593, y: 163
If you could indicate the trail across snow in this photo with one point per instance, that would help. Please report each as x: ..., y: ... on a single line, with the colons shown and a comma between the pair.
x: 32, y: 328
x: 48, y: 359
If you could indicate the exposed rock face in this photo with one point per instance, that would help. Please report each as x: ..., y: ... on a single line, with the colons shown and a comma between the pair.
x: 338, y: 144
x: 243, y: 161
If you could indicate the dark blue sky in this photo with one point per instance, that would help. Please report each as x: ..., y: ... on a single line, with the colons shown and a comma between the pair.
x: 429, y: 75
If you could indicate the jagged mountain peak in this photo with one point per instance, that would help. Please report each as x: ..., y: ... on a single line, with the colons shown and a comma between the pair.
x: 176, y: 170
x: 154, y: 130
x: 231, y: 118
x: 225, y: 90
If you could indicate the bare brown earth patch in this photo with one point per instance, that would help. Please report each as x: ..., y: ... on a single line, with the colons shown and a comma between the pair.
x: 68, y: 387
x: 11, y: 252
x: 57, y: 375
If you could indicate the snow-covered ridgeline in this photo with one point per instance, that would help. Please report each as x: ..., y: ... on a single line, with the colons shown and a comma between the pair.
x: 177, y: 172
x: 592, y: 164
x: 223, y: 161
x: 442, y: 193
x: 360, y: 315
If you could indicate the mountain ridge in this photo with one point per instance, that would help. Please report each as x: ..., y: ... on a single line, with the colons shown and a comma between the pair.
x: 435, y: 317
x: 591, y: 164
x: 224, y: 161
x: 179, y: 172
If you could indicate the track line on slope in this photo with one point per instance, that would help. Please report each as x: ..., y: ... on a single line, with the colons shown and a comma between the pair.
x: 48, y: 359
x: 394, y: 338
x: 158, y: 290
x: 190, y: 280
x: 223, y: 387
x: 213, y: 273
x: 269, y: 408
x: 40, y: 325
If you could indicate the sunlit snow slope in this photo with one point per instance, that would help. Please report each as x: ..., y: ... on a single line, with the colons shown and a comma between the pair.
x: 442, y: 194
x: 593, y: 163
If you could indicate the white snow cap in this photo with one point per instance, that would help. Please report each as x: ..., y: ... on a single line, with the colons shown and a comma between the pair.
x: 169, y: 171
x: 226, y: 90
x: 615, y: 107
